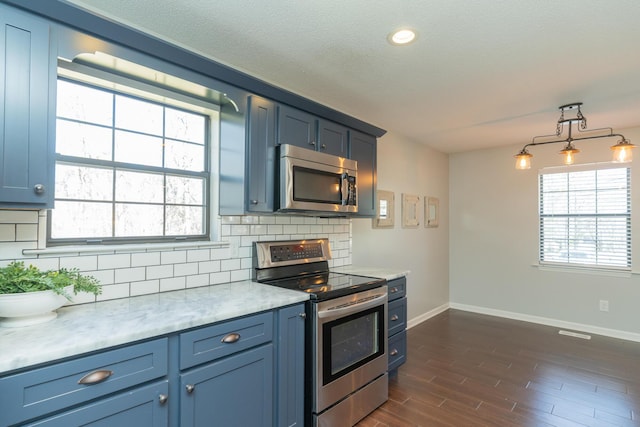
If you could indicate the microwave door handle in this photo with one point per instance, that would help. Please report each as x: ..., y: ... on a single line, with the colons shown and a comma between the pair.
x: 345, y: 189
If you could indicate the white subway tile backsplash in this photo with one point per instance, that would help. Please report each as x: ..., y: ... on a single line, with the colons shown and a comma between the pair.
x: 159, y: 271
x: 173, y: 257
x: 208, y: 266
x: 82, y: 298
x: 172, y: 284
x: 114, y: 261
x: 143, y: 259
x: 145, y: 287
x: 128, y: 272
x: 185, y: 269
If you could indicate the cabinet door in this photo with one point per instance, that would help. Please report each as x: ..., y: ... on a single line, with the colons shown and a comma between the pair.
x: 27, y: 105
x: 141, y: 407
x: 332, y: 138
x: 290, y: 383
x: 363, y: 149
x: 233, y: 392
x: 296, y: 127
x: 261, y: 159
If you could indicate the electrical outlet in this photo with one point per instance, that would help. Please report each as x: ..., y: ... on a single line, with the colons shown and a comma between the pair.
x: 604, y: 305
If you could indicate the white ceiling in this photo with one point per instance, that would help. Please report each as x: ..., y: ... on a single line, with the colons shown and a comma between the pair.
x: 483, y: 73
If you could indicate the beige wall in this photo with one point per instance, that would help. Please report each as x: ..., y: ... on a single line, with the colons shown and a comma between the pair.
x: 494, y: 244
x: 412, y: 168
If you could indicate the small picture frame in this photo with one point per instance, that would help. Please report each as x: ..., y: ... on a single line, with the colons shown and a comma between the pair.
x: 385, y: 211
x: 410, y: 211
x: 431, y: 211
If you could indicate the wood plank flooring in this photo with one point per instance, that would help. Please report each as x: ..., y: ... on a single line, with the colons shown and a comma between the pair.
x: 467, y: 369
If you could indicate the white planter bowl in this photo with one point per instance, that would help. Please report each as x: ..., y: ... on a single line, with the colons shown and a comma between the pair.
x: 30, y: 308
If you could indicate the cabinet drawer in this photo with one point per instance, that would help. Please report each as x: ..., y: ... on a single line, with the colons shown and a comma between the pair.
x: 397, y: 288
x: 140, y: 407
x: 40, y: 391
x: 397, y: 316
x: 397, y: 350
x: 223, y: 339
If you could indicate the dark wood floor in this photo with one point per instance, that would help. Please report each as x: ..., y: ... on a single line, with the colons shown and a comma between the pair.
x: 466, y: 369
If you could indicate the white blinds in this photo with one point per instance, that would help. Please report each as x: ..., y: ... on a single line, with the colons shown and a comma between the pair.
x: 585, y: 217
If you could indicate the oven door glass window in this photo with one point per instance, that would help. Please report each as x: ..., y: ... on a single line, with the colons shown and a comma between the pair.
x: 352, y: 341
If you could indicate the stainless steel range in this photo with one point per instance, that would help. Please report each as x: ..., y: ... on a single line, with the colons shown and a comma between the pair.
x: 346, y: 341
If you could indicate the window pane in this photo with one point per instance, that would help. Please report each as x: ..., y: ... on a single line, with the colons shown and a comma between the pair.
x: 185, y: 156
x: 138, y: 220
x: 138, y: 115
x: 138, y: 149
x: 80, y: 102
x: 83, y: 182
x: 70, y: 220
x: 139, y: 187
x: 184, y: 126
x: 185, y: 220
x: 187, y: 191
x: 81, y: 140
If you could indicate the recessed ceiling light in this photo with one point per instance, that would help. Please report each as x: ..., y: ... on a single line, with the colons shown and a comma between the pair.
x: 402, y: 36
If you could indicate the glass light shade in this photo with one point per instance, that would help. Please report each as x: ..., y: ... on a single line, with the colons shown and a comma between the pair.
x: 523, y: 160
x: 569, y: 154
x: 622, y: 151
x: 402, y: 36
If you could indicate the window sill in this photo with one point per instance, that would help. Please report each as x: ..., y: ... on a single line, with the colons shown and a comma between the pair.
x: 584, y: 270
x: 134, y: 247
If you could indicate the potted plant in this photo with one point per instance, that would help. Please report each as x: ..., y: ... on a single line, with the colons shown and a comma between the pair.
x: 29, y: 296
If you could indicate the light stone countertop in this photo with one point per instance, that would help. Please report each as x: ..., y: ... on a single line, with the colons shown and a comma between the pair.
x: 88, y: 327
x: 382, y: 273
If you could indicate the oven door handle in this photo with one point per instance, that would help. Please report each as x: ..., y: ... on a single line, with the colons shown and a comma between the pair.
x: 340, y: 311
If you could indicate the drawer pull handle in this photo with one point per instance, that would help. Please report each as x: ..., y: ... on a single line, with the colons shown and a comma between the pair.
x: 394, y: 352
x: 190, y: 388
x: 95, y: 377
x: 394, y: 317
x: 231, y: 338
x: 394, y: 290
x: 163, y: 399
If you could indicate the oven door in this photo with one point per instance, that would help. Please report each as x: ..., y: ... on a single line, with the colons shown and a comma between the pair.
x: 350, y: 347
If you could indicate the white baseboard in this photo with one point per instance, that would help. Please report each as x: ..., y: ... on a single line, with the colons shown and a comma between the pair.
x: 613, y: 333
x: 426, y: 316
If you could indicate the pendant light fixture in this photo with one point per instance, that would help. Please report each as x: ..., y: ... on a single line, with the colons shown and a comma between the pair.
x: 621, y: 150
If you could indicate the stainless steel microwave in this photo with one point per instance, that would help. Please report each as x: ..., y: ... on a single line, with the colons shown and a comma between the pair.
x: 312, y: 181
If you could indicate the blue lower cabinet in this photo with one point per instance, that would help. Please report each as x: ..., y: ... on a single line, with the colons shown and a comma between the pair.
x: 290, y: 361
x: 142, y: 407
x: 236, y: 391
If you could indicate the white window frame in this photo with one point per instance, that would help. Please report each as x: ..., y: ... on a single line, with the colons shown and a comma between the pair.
x: 546, y: 259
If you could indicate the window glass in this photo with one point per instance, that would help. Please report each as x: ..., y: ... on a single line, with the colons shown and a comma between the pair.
x: 585, y: 218
x: 127, y: 168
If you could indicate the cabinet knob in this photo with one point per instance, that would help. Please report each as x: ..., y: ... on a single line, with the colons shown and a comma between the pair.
x: 303, y: 315
x: 312, y: 143
x: 323, y: 147
x: 393, y: 290
x: 95, y: 377
x: 38, y: 189
x: 394, y: 352
x: 190, y: 388
x: 394, y: 317
x: 163, y: 399
x: 254, y: 202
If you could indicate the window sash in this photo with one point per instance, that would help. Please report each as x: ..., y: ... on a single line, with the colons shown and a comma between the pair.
x: 585, y: 218
x: 163, y: 179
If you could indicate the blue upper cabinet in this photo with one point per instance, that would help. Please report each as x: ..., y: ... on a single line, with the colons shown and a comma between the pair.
x: 296, y: 127
x: 363, y: 149
x: 27, y: 106
x: 261, y: 155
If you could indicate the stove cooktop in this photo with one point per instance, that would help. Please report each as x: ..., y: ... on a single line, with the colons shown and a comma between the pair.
x: 328, y: 285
